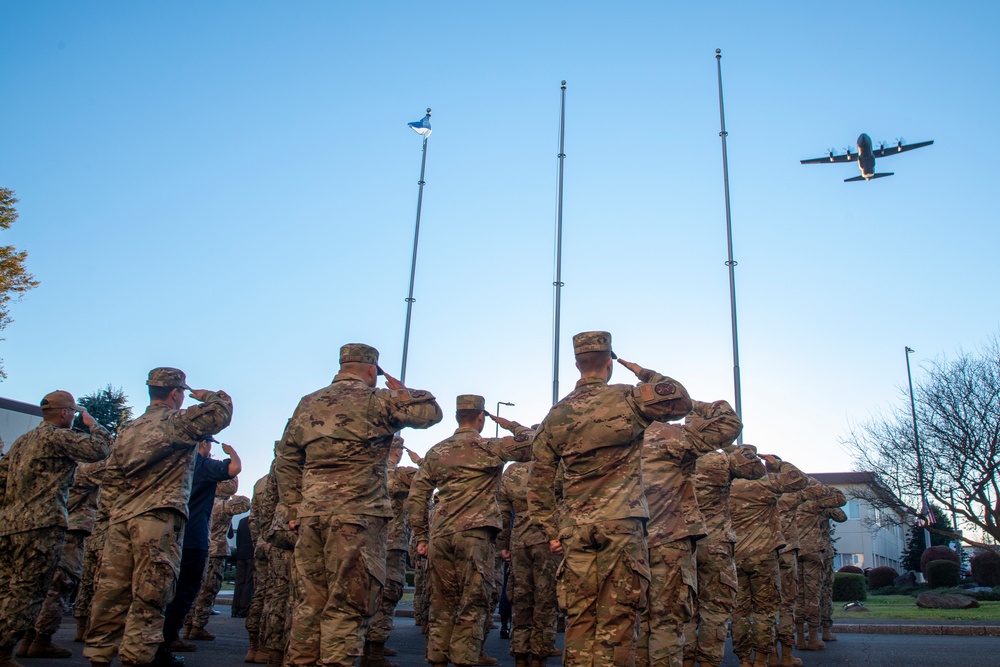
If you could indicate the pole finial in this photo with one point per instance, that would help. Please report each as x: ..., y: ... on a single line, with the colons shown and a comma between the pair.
x: 718, y: 53
x: 563, y: 84
x: 428, y: 111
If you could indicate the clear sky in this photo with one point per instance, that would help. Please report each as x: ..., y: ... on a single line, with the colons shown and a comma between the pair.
x: 230, y: 188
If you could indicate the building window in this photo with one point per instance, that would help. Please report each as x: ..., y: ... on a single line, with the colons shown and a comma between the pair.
x: 840, y: 560
x: 852, y: 510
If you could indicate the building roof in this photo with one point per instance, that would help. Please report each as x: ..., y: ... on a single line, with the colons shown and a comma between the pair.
x: 866, y: 478
x: 18, y: 406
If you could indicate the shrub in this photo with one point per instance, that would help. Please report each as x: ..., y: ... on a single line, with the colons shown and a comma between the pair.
x: 942, y: 573
x: 986, y: 568
x: 938, y: 553
x: 880, y: 577
x: 851, y: 569
x: 849, y: 586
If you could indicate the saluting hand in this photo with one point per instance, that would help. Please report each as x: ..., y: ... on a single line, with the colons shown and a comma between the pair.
x: 555, y: 546
x: 199, y: 394
x: 392, y: 383
x: 631, y: 365
x: 504, y: 423
x: 88, y: 421
x: 228, y: 449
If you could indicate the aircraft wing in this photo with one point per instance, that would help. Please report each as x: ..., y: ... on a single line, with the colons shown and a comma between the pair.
x: 898, y: 148
x: 848, y: 157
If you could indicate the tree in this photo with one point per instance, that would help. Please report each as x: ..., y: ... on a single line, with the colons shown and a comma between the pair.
x: 918, y: 539
x: 958, y: 427
x: 14, y: 278
x: 109, y: 406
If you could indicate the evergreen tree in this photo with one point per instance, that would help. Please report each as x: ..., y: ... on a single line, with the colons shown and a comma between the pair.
x: 918, y: 544
x: 108, y: 406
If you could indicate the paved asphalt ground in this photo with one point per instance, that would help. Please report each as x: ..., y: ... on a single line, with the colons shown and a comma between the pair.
x: 856, y: 650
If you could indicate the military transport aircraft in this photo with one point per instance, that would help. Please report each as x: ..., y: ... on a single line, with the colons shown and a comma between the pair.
x: 865, y: 157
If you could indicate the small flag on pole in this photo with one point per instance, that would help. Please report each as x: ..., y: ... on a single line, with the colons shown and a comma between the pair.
x: 926, y: 515
x: 422, y: 127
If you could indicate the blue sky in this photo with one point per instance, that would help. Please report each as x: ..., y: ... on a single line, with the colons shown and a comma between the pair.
x: 230, y: 188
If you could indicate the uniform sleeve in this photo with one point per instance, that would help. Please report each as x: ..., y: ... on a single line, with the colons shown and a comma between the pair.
x: 506, y: 513
x: 237, y: 505
x: 290, y: 457
x: 413, y: 408
x: 418, y: 501
x: 542, y: 502
x: 84, y: 447
x: 208, y: 417
x: 4, y: 467
x: 788, y: 478
x: 659, y: 398
x: 837, y: 514
x: 744, y: 464
x: 517, y: 447
x: 717, y: 424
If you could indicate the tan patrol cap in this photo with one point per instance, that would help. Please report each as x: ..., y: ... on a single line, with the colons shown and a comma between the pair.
x: 165, y: 376
x: 60, y: 399
x: 593, y: 341
x: 397, y: 443
x: 359, y: 353
x: 470, y: 402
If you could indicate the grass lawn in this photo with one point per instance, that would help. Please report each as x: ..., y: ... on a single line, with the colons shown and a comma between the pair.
x: 904, y: 607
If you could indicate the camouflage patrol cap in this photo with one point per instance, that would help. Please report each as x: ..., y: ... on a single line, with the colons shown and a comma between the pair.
x: 359, y: 353
x: 397, y: 443
x: 165, y: 376
x: 59, y: 399
x: 470, y: 402
x: 593, y: 341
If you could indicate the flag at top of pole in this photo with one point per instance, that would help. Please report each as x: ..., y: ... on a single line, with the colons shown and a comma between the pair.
x: 422, y: 126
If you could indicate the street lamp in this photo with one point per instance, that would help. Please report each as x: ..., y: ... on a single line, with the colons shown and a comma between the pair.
x: 497, y: 413
x: 916, y: 446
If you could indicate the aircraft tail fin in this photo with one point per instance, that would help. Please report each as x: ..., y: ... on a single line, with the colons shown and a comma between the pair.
x: 862, y: 178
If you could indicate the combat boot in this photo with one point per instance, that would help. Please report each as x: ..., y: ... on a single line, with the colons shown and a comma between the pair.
x: 523, y: 659
x: 164, y: 658
x: 81, y: 629
x: 800, y: 636
x: 389, y: 651
x: 43, y: 647
x: 504, y: 630
x: 688, y: 663
x: 376, y: 655
x: 538, y: 661
x: 760, y: 659
x: 745, y: 660
x: 254, y: 645
x: 200, y: 635
x: 260, y: 657
x: 485, y: 660
x: 556, y: 652
x: 787, y: 659
x: 814, y: 643
x: 772, y: 659
x: 22, y: 648
x: 182, y: 646
x: 275, y: 658
x: 7, y: 657
x: 828, y: 635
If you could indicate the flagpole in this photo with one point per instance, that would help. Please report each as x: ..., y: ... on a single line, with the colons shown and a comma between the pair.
x: 925, y: 509
x: 558, y: 283
x: 413, y: 262
x: 731, y: 263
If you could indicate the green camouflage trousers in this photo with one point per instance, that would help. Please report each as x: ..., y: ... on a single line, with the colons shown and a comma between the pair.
x: 421, y: 608
x: 276, y: 613
x: 756, y: 604
x: 531, y: 586
x: 810, y: 583
x: 64, y: 584
x: 261, y: 589
x: 826, y: 592
x: 27, y: 562
x: 705, y: 634
x: 673, y: 586
x: 340, y: 569
x: 211, y: 584
x: 460, y: 570
x: 138, y: 578
x: 496, y: 587
x: 602, y: 585
x: 789, y: 574
x: 93, y: 547
x: 395, y: 574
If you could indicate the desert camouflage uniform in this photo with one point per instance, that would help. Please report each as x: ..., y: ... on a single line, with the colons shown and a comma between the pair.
x: 705, y: 634
x: 35, y: 478
x: 282, y: 584
x: 596, y: 433
x: 669, y: 455
x: 788, y: 566
x: 466, y: 469
x: 94, y: 546
x: 826, y: 592
x: 753, y: 506
x: 813, y: 542
x: 226, y: 506
x: 82, y: 509
x: 331, y: 467
x: 260, y: 519
x: 400, y: 478
x: 152, y: 463
x: 421, y: 586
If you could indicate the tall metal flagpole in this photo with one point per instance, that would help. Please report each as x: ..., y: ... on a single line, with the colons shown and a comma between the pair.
x: 731, y: 263
x: 413, y: 263
x: 558, y: 284
x: 916, y: 445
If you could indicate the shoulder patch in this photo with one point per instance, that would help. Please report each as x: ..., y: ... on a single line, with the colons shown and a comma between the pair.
x: 665, y: 389
x: 521, y: 437
x: 417, y: 393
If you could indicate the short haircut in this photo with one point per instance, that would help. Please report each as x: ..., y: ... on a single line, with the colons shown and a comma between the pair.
x: 160, y: 393
x: 467, y: 416
x: 591, y: 362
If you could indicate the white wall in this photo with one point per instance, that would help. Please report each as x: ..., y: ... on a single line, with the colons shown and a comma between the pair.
x: 15, y: 423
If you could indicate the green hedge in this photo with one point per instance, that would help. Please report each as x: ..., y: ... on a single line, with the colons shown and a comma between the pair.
x: 848, y: 587
x: 942, y: 574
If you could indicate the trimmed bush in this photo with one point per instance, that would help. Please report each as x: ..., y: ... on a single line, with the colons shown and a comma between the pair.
x: 851, y: 569
x: 938, y: 553
x: 880, y: 577
x: 986, y: 568
x: 942, y: 573
x: 848, y: 587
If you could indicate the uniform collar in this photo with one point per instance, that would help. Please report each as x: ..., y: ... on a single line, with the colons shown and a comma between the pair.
x: 591, y: 380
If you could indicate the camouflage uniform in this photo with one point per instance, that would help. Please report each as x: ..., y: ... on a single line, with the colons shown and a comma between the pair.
x: 596, y: 434
x: 812, y: 546
x: 94, y: 548
x: 82, y: 508
x: 331, y: 467
x: 260, y: 517
x: 669, y: 455
x: 531, y: 583
x: 826, y: 592
x: 421, y: 586
x: 152, y: 463
x: 466, y: 469
x: 226, y: 506
x: 281, y: 580
x: 753, y: 506
x: 35, y: 477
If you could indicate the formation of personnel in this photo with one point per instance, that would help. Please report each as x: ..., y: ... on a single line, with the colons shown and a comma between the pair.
x: 654, y: 538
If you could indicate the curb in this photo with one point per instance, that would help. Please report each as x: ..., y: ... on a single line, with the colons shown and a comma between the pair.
x: 943, y: 630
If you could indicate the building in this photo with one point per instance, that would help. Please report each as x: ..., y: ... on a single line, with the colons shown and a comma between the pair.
x: 16, y: 419
x: 877, y: 528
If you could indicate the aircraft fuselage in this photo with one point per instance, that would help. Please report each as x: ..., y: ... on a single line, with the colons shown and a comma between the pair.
x: 866, y: 160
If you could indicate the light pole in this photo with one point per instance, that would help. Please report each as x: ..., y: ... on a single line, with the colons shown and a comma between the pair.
x: 916, y: 446
x: 497, y: 413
